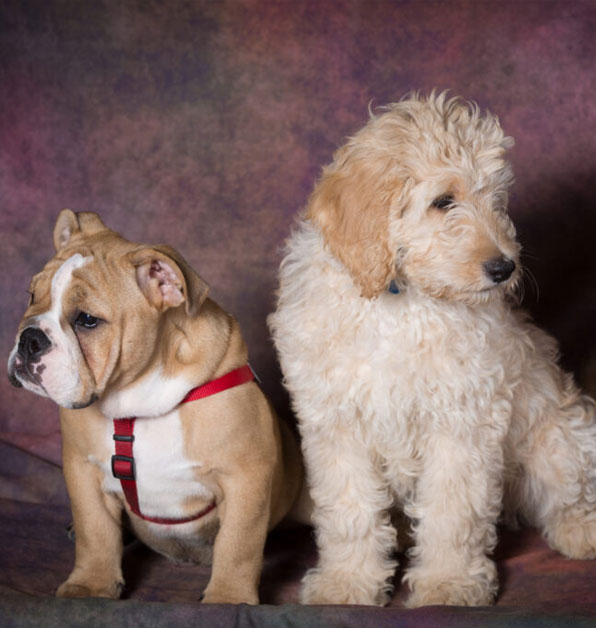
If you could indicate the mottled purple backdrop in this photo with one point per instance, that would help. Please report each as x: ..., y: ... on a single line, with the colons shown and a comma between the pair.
x: 204, y: 125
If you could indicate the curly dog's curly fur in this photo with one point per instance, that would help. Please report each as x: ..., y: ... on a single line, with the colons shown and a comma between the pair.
x: 441, y: 400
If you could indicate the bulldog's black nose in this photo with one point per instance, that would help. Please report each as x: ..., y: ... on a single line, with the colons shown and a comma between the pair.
x: 33, y: 343
x: 499, y: 269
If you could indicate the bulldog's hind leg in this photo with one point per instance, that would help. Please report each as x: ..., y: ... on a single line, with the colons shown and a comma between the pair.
x: 98, y: 534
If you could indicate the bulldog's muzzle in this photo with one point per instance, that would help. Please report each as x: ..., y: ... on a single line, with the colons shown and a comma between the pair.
x: 32, y: 346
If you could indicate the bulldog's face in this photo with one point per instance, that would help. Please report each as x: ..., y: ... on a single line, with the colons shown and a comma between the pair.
x: 94, y: 316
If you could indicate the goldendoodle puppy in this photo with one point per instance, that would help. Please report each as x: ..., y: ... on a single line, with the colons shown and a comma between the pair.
x: 415, y: 383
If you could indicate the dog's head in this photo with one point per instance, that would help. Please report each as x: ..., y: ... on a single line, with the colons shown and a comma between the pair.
x: 95, y: 311
x: 419, y: 195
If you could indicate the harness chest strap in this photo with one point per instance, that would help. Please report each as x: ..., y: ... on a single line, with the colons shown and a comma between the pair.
x: 123, y: 463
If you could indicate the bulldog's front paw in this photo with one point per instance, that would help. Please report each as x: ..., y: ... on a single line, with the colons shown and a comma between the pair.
x: 228, y: 595
x: 74, y: 589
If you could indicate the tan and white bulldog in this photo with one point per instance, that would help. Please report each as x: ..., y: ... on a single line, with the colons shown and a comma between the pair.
x: 116, y: 330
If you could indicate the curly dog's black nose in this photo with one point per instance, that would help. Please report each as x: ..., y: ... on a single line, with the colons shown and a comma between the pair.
x: 499, y: 269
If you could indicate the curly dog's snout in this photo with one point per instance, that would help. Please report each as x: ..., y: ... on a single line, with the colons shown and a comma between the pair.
x: 499, y: 269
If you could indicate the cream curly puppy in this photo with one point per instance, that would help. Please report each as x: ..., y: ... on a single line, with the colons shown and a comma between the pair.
x: 415, y: 383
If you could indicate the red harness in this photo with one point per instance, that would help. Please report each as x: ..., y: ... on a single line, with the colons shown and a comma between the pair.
x: 123, y: 463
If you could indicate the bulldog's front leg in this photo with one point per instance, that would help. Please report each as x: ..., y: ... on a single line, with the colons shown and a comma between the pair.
x: 238, y: 549
x: 98, y: 534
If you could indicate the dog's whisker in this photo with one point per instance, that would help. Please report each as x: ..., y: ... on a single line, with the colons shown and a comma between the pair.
x: 530, y: 255
x: 518, y: 292
x: 526, y: 272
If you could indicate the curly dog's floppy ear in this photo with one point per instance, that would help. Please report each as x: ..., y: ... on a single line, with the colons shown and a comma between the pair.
x: 351, y: 204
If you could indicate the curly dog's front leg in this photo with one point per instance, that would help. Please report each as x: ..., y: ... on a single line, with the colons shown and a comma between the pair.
x: 455, y: 509
x: 354, y: 535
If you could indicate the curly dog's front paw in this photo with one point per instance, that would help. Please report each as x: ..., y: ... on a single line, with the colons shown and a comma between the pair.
x: 341, y: 587
x: 451, y: 594
x: 461, y: 589
x: 574, y: 535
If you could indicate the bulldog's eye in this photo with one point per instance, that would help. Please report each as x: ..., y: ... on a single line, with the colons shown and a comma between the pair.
x: 86, y: 320
x: 443, y: 202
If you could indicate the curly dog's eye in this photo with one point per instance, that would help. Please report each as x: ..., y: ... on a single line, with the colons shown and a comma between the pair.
x: 444, y: 202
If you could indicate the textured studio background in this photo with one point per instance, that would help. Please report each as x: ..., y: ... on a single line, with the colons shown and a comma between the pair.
x: 204, y: 125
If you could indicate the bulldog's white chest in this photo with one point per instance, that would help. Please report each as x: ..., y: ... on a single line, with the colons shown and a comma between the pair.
x: 166, y: 478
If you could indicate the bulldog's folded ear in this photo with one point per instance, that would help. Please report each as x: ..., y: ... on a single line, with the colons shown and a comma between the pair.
x: 70, y: 224
x: 167, y: 280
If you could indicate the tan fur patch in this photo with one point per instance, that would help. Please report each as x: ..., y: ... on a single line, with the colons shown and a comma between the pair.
x: 352, y: 209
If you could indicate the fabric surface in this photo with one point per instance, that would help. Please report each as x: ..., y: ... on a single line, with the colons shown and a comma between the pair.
x: 204, y: 125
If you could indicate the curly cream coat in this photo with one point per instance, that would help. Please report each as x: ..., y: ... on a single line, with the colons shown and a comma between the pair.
x: 443, y: 399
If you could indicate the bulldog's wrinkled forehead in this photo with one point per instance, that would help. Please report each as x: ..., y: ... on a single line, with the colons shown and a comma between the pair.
x: 62, y: 279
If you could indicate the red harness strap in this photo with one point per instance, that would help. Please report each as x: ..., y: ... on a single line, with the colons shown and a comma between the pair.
x: 123, y: 463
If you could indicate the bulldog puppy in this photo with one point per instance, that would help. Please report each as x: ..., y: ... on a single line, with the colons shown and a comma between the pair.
x: 118, y: 334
